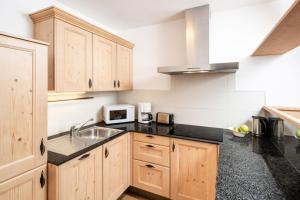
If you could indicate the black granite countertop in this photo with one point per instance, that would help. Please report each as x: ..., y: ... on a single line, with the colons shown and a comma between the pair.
x: 253, y: 168
x: 182, y: 131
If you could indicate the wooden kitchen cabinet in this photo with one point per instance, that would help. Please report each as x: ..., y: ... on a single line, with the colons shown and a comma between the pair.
x: 73, y: 53
x: 70, y: 55
x: 151, y: 177
x: 104, y: 64
x: 116, y: 167
x: 80, y: 178
x: 23, y: 103
x: 82, y: 57
x: 193, y: 170
x: 153, y: 153
x: 31, y: 185
x: 124, y: 68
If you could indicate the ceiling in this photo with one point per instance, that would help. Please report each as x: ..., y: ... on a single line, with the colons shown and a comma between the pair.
x: 127, y: 14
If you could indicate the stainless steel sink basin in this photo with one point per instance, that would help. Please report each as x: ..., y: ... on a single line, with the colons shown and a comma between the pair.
x: 67, y: 144
x: 97, y: 133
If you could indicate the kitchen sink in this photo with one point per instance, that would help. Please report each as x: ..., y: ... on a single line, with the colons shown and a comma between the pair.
x: 67, y: 144
x: 97, y: 133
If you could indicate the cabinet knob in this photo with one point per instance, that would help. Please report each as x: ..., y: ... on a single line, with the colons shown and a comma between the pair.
x: 106, y: 153
x: 115, y: 83
x: 119, y: 84
x: 42, y: 180
x: 173, y: 147
x: 90, y: 83
x: 149, y: 145
x: 42, y: 147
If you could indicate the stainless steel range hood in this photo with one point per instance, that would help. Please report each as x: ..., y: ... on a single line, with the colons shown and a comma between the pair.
x: 197, y: 47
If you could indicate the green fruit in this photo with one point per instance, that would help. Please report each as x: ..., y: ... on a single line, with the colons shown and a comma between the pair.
x: 298, y: 134
x: 244, y: 128
x: 236, y: 129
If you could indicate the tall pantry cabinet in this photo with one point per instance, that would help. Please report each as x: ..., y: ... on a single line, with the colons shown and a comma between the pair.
x: 23, y: 118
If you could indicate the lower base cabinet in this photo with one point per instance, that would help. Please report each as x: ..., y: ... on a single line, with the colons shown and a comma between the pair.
x: 151, y: 177
x: 193, y: 170
x: 116, y: 167
x: 78, y: 179
x: 31, y: 185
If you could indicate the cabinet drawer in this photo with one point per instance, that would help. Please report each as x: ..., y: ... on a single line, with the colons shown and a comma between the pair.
x: 151, y: 153
x: 153, y: 139
x: 152, y: 178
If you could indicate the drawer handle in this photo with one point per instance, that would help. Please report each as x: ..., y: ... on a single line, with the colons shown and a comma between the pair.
x: 149, y: 145
x: 149, y: 136
x: 149, y: 166
x: 173, y: 147
x: 42, y: 180
x: 106, y: 153
x: 84, y: 156
x: 90, y: 83
x: 42, y: 147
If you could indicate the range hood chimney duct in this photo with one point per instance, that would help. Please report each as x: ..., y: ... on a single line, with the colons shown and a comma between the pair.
x: 197, y: 46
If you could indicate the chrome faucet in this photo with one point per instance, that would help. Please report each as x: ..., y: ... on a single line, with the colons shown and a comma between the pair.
x: 74, y: 131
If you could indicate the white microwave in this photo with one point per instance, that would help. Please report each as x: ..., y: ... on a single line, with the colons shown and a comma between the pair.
x: 119, y: 113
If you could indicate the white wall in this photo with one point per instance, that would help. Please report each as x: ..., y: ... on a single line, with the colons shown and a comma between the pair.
x: 62, y: 115
x: 15, y: 15
x: 15, y: 20
x: 234, y: 36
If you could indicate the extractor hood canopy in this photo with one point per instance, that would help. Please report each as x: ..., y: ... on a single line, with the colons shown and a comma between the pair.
x: 197, y: 47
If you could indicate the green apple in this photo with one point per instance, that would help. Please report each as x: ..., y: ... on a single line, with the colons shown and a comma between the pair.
x: 236, y: 129
x: 298, y: 134
x: 244, y: 128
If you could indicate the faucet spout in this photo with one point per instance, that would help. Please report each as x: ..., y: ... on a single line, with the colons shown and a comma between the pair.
x: 74, y: 131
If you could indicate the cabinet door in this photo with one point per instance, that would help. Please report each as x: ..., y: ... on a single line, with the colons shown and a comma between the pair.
x: 115, y: 167
x: 124, y: 68
x: 73, y: 58
x: 81, y: 178
x: 23, y: 105
x: 27, y: 186
x: 193, y: 170
x: 152, y: 178
x: 104, y: 64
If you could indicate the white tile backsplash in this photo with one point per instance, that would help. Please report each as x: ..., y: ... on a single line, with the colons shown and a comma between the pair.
x: 202, y: 99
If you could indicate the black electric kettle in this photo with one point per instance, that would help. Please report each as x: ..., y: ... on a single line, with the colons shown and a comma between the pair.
x: 259, y: 126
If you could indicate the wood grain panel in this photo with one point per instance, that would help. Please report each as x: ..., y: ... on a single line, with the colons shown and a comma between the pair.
x: 124, y: 67
x: 152, y: 178
x: 45, y: 31
x: 115, y: 167
x: 104, y: 64
x: 285, y: 36
x: 23, y: 117
x: 152, y: 153
x: 73, y: 65
x: 53, y: 12
x: 193, y: 170
x: 25, y: 187
x: 153, y: 139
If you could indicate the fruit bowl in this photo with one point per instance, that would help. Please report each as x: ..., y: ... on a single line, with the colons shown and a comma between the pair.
x: 237, y: 134
x: 296, y: 137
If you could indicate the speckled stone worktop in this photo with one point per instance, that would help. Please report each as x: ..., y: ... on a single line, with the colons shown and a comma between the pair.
x: 253, y: 168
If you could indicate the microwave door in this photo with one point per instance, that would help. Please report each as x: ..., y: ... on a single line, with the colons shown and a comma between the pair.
x: 118, y: 114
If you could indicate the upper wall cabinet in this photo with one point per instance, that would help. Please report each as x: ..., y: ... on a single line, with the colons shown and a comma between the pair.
x: 82, y: 57
x: 73, y: 47
x: 285, y: 36
x: 124, y: 68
